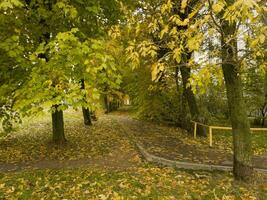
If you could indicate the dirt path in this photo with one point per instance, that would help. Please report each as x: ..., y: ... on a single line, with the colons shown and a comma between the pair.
x: 165, y: 142
x: 118, y: 160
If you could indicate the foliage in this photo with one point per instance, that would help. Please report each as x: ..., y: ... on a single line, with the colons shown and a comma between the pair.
x: 49, y: 48
x: 152, y: 101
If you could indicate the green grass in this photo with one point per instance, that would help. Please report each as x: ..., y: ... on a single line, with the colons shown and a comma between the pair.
x: 145, y: 182
x: 223, y: 139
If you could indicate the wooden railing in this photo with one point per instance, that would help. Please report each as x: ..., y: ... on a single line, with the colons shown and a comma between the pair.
x: 217, y: 128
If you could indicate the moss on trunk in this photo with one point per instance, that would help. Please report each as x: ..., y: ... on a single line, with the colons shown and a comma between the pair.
x: 241, y: 129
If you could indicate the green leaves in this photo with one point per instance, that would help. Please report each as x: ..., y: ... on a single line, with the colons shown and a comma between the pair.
x: 68, y: 9
x: 13, y: 47
x: 9, y: 4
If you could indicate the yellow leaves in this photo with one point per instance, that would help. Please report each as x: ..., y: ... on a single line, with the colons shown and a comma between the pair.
x: 177, y: 20
x: 156, y: 70
x: 242, y: 10
x: 193, y: 43
x: 177, y: 55
x: 148, y: 48
x: 116, y: 196
x: 257, y: 44
x: 114, y: 32
x: 137, y: 29
x: 262, y: 38
x: 183, y: 5
x: 164, y: 31
x: 173, y: 31
x: 2, y: 185
x: 132, y: 55
x: 171, y: 45
x: 166, y: 7
x: 144, y: 49
x: 200, y: 81
x: 263, y: 68
x: 153, y: 26
x: 218, y: 6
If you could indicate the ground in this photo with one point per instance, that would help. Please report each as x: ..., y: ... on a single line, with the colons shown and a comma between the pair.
x: 176, y: 144
x: 102, y: 162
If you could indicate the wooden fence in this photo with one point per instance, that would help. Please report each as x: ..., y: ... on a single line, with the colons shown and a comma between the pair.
x: 210, y: 128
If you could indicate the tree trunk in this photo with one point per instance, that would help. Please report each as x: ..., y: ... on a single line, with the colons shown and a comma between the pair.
x: 191, y: 100
x: 58, y: 126
x: 107, y: 105
x: 86, y: 117
x: 243, y: 169
x: 86, y: 112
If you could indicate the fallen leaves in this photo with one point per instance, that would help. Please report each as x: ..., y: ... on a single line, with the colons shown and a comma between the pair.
x: 33, y: 142
x: 140, y: 182
x: 144, y: 182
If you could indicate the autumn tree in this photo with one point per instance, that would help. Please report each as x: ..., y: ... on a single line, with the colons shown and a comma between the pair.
x: 182, y: 27
x: 54, y: 52
x: 234, y: 20
x: 166, y: 44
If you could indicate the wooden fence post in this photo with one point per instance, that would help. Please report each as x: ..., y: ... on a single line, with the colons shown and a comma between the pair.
x: 210, y: 135
x: 195, y: 130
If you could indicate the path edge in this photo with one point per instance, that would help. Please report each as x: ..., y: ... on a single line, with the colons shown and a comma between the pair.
x: 186, y: 165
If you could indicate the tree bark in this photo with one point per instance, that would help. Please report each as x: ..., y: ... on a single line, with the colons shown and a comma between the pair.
x: 185, y: 72
x: 87, y: 117
x: 58, y: 126
x: 243, y: 169
x: 191, y: 100
x: 86, y: 112
x: 107, y: 104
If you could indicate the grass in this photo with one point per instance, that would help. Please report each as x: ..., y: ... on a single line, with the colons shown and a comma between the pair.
x: 147, y: 182
x: 32, y: 142
x: 223, y: 139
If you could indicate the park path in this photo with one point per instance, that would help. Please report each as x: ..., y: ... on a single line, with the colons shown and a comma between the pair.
x: 118, y: 160
x: 160, y: 141
x: 164, y: 142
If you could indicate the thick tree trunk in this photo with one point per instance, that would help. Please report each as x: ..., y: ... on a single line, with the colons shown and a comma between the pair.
x: 243, y: 169
x: 185, y: 72
x: 58, y: 126
x: 191, y: 100
x: 240, y: 124
x: 185, y: 114
x: 87, y: 117
x: 182, y: 108
x: 107, y: 104
x: 86, y: 112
